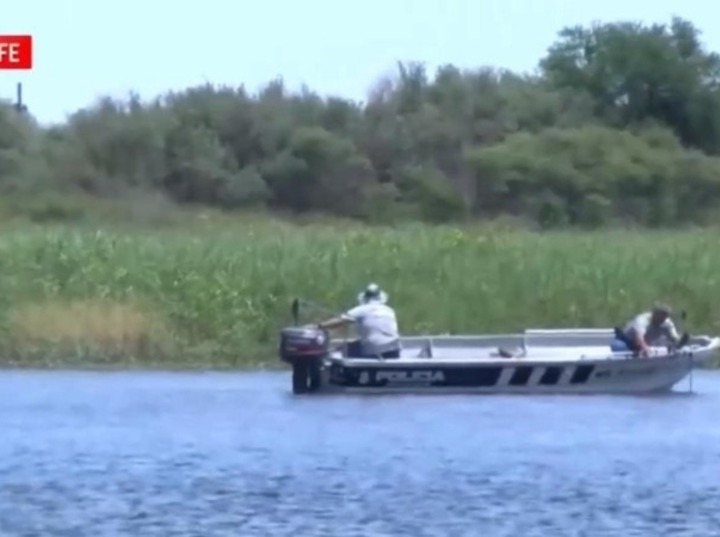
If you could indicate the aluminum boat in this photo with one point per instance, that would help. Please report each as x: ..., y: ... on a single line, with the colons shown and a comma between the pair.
x: 566, y: 360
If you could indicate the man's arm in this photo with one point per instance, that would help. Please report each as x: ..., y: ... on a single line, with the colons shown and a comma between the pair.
x: 671, y: 331
x: 334, y: 322
x: 638, y: 327
x: 348, y: 317
x: 639, y: 339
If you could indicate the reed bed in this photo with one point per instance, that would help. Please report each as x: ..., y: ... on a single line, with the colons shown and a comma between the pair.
x: 217, y: 298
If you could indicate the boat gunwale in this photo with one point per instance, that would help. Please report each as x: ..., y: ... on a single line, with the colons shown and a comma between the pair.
x: 697, y: 353
x: 434, y: 363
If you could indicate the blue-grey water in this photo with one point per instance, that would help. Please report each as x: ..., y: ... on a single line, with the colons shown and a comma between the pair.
x: 221, y: 454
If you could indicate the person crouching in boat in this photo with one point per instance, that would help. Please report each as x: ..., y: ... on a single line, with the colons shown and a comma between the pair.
x: 645, y: 329
x: 376, y: 322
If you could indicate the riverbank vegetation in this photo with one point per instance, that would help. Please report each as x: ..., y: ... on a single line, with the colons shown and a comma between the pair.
x: 483, y: 200
x: 216, y: 294
x: 620, y: 124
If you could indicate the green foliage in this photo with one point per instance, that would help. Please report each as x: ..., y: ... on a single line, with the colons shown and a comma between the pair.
x: 571, y: 175
x: 218, y: 296
x: 621, y: 124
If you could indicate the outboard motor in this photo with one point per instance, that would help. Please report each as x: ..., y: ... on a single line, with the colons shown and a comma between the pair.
x: 304, y: 348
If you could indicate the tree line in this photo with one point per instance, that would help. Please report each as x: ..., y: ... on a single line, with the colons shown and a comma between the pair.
x: 620, y: 122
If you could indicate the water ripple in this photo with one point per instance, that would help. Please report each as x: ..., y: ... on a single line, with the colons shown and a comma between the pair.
x: 226, y: 455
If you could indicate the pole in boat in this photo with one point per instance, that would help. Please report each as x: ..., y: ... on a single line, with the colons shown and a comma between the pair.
x: 684, y: 341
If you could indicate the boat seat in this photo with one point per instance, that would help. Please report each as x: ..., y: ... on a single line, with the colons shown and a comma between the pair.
x: 426, y: 350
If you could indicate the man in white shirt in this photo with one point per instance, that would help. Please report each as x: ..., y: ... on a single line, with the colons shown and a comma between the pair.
x: 648, y: 327
x: 376, y: 322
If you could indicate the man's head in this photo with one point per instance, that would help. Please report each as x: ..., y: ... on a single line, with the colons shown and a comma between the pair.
x: 660, y: 313
x: 372, y: 293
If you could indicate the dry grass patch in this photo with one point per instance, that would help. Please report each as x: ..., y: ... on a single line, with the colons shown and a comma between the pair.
x: 107, y: 327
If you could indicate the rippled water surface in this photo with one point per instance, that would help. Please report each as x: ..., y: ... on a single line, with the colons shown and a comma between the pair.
x: 185, y: 454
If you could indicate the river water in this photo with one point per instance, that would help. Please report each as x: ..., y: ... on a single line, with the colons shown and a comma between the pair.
x: 235, y: 454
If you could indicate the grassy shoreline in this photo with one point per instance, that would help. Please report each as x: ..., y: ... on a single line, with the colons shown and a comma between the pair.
x: 213, y: 296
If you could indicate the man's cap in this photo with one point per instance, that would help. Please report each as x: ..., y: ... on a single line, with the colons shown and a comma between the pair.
x: 372, y: 292
x: 661, y: 308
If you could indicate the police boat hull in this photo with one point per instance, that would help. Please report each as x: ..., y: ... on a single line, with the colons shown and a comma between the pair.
x: 571, y: 361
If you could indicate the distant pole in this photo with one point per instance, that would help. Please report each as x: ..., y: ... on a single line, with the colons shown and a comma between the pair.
x: 19, y: 106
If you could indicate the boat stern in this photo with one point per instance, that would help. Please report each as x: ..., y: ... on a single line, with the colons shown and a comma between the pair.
x: 304, y: 348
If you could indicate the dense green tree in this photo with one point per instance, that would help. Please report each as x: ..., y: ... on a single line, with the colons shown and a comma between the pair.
x: 635, y: 73
x: 621, y: 123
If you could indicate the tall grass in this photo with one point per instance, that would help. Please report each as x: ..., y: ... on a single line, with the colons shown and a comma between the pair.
x: 218, y: 297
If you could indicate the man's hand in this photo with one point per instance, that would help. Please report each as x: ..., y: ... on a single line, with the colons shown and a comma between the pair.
x: 644, y: 348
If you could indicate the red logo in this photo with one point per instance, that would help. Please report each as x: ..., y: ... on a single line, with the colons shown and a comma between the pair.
x: 16, y: 52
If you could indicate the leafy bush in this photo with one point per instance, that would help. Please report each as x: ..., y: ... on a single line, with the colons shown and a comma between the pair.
x: 621, y: 123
